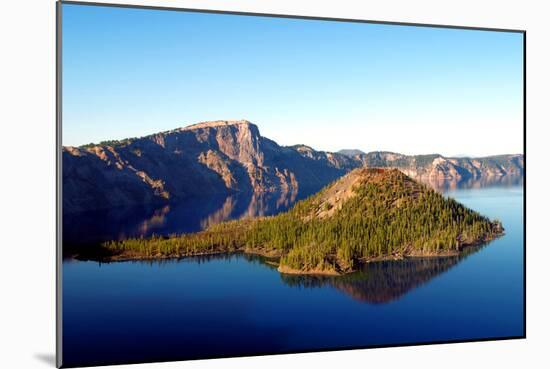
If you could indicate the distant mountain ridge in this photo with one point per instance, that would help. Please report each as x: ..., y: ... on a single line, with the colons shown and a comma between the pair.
x: 231, y: 156
x: 436, y: 166
x: 351, y: 152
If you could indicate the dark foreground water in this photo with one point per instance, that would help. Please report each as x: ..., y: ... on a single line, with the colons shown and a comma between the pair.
x: 239, y: 305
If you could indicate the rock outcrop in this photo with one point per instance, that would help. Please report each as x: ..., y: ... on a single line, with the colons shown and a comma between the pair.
x: 435, y: 166
x: 209, y: 157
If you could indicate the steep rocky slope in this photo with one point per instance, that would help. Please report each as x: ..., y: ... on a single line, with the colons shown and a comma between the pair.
x: 209, y: 157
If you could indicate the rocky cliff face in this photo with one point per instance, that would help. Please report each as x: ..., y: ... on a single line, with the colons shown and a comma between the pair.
x: 437, y: 167
x: 209, y: 157
x: 231, y: 156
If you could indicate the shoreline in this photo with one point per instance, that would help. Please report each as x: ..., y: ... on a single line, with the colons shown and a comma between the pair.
x: 283, y: 269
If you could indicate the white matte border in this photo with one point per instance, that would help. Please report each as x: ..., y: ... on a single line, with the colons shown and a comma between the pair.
x: 28, y: 181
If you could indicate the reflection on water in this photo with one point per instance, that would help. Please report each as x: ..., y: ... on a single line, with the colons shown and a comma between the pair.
x: 377, y: 282
x: 155, y: 221
x: 172, y: 309
x: 235, y: 257
x: 190, y: 215
x: 259, y: 204
x: 443, y: 185
x: 383, y: 281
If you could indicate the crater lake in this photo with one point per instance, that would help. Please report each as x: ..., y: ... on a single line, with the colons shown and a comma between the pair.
x: 237, y: 304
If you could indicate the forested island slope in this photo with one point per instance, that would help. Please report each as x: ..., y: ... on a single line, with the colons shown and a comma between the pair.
x: 366, y: 215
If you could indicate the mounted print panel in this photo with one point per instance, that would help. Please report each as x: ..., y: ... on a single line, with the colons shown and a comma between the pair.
x: 234, y: 184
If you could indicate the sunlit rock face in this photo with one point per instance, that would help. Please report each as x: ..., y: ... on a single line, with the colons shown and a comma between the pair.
x: 435, y: 167
x: 219, y: 157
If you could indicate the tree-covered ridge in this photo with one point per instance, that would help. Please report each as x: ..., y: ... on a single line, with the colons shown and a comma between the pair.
x: 112, y: 143
x: 367, y: 214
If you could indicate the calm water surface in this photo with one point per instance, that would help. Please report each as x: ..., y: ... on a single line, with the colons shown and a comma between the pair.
x: 239, y: 305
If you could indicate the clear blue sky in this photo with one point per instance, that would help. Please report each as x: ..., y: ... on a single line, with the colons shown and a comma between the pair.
x: 331, y: 85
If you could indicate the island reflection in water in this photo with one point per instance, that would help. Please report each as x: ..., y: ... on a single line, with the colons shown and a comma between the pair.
x: 381, y: 282
x: 377, y: 282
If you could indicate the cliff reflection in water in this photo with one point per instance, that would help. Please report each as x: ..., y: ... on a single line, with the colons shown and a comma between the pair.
x: 251, y: 206
x: 383, y: 281
x: 443, y: 185
x: 190, y: 215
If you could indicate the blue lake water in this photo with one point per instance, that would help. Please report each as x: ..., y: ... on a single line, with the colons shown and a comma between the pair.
x: 239, y: 305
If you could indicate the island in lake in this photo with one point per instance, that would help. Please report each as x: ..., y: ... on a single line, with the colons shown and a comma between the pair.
x: 361, y: 206
x: 368, y: 214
